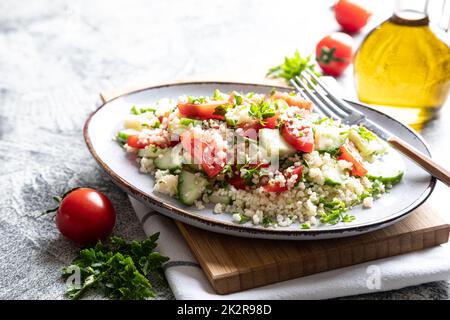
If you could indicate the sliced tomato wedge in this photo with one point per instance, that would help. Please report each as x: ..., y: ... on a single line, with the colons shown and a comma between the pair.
x: 350, y: 153
x: 302, y: 138
x: 202, y: 111
x: 136, y: 142
x: 292, y: 100
x: 276, y: 187
x: 271, y: 122
x: 203, y: 153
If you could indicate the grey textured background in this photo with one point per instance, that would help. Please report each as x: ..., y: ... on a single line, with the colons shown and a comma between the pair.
x: 56, y: 56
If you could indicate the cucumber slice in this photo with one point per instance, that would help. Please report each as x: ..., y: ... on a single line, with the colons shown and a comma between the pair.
x: 367, y: 142
x: 214, y: 198
x: 334, y: 177
x: 329, y: 137
x: 150, y: 152
x: 170, y: 160
x: 190, y: 187
x: 389, y: 168
x: 272, y: 141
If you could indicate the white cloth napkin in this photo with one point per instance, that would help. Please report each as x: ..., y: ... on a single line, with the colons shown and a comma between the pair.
x: 188, y: 281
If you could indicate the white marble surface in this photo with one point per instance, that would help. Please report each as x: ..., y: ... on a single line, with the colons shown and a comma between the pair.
x: 55, y: 56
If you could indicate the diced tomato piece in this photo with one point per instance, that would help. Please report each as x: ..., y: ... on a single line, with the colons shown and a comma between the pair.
x: 276, y: 187
x: 292, y: 100
x: 203, y: 154
x: 301, y: 138
x: 202, y: 111
x: 135, y: 142
x: 350, y: 153
x: 271, y: 122
x: 237, y: 182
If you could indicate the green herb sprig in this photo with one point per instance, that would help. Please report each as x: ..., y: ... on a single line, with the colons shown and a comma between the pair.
x: 120, y: 269
x: 292, y: 67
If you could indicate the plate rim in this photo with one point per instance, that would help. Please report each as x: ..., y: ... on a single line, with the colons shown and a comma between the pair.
x: 236, y: 229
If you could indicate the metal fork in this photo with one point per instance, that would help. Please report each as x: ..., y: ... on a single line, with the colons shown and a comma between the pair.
x: 327, y: 104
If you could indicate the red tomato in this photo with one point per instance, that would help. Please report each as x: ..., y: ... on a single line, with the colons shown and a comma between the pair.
x: 135, y: 142
x: 85, y: 216
x: 334, y: 53
x: 271, y: 122
x: 237, y: 182
x: 301, y: 139
x: 203, y: 154
x: 201, y: 111
x: 350, y: 154
x: 351, y: 16
x: 275, y: 187
x: 292, y: 100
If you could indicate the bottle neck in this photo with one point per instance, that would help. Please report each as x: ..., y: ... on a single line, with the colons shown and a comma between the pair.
x: 411, y: 12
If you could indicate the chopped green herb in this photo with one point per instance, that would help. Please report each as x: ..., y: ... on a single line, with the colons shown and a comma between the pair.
x: 261, y: 111
x: 305, y: 226
x: 144, y: 110
x: 217, y: 95
x: 238, y: 99
x: 267, y: 221
x: 134, y: 110
x: 292, y: 67
x: 120, y: 269
x: 196, y: 100
x: 186, y: 122
x: 243, y: 219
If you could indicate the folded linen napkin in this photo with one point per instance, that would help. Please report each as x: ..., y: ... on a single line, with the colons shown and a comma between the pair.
x: 188, y: 281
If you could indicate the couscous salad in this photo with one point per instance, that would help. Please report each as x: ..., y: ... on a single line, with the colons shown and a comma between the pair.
x: 265, y: 159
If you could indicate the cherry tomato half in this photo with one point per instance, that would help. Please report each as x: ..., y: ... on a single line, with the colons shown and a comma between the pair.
x: 203, y: 111
x: 302, y: 139
x: 334, y: 53
x: 85, y: 216
x: 350, y: 15
x: 350, y: 154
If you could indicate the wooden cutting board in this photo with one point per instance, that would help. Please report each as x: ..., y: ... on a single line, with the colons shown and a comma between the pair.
x: 234, y: 264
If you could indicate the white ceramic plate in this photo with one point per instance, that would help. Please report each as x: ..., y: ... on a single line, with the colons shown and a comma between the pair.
x: 103, y: 124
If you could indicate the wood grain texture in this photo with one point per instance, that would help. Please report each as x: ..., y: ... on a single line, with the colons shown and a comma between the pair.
x: 234, y: 264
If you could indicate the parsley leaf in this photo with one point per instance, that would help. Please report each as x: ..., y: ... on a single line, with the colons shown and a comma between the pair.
x: 243, y: 219
x: 266, y: 222
x: 292, y: 67
x: 261, y: 111
x: 196, y: 100
x: 120, y: 269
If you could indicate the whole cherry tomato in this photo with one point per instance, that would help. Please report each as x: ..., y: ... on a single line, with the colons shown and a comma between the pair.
x: 351, y: 16
x: 85, y: 215
x: 334, y: 53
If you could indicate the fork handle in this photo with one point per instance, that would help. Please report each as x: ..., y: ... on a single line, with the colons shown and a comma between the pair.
x: 421, y: 159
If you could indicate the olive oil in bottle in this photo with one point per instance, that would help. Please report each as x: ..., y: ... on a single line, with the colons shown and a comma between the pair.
x: 403, y: 65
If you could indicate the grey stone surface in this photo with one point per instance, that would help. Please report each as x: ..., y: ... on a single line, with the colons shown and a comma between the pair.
x: 56, y: 56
